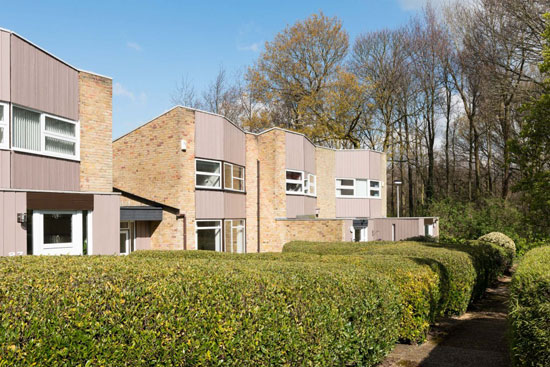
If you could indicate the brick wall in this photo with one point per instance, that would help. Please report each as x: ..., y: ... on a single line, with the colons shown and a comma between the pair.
x: 96, y: 122
x: 326, y: 190
x: 149, y: 162
x: 322, y: 230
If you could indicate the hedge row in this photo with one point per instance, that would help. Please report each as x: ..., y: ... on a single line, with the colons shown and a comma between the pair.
x: 465, y: 269
x: 147, y: 310
x: 530, y: 309
x: 418, y: 285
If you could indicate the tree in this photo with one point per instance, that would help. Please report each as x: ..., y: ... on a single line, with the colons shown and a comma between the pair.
x: 184, y: 94
x: 301, y: 80
x: 531, y: 151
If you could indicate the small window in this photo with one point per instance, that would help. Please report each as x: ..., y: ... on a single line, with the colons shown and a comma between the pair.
x: 208, y: 174
x: 233, y: 177
x: 374, y: 189
x: 312, y: 185
x: 4, y: 126
x: 294, y: 182
x: 345, y: 187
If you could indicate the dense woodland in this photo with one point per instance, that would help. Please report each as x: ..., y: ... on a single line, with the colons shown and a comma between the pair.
x: 458, y: 98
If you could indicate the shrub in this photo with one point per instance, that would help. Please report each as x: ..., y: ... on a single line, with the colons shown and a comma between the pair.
x: 418, y: 284
x: 499, y: 239
x: 465, y: 269
x: 530, y: 310
x: 146, y: 310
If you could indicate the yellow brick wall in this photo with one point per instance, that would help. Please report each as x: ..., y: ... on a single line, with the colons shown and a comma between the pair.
x: 308, y: 230
x: 96, y: 122
x: 149, y: 162
x: 326, y: 190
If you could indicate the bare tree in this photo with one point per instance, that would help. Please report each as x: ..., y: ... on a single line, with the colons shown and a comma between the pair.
x: 184, y: 94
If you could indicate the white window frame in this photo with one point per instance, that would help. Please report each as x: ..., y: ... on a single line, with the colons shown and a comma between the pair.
x: 219, y: 226
x: 208, y: 174
x: 44, y: 133
x: 310, y: 185
x: 233, y: 177
x: 243, y: 226
x: 5, y: 123
x: 300, y: 182
x: 75, y: 247
x: 354, y: 188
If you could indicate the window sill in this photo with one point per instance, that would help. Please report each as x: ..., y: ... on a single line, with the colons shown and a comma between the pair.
x: 46, y: 154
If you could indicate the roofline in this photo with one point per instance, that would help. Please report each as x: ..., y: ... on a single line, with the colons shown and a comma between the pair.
x: 135, y: 197
x: 51, y: 54
x: 240, y: 128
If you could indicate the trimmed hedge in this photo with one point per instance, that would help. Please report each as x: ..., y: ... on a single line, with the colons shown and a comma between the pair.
x: 147, y: 310
x: 530, y: 310
x: 500, y: 239
x: 418, y: 284
x: 466, y: 269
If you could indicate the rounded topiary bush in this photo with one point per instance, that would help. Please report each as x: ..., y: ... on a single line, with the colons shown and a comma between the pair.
x: 499, y: 239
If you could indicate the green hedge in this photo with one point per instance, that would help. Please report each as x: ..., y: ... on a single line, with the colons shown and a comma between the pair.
x: 466, y: 269
x: 147, y: 310
x: 530, y: 309
x: 418, y: 284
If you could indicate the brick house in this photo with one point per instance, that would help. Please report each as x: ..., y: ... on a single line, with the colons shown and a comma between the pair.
x: 56, y: 192
x: 190, y: 179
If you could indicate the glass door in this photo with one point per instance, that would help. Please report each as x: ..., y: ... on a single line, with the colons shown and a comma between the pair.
x: 124, y: 241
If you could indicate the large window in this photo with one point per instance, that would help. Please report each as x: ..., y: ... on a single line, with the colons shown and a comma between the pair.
x: 45, y: 134
x: 234, y: 240
x: 208, y: 174
x: 358, y: 188
x: 233, y: 177
x: 57, y: 233
x: 300, y: 183
x: 4, y: 126
x: 208, y: 235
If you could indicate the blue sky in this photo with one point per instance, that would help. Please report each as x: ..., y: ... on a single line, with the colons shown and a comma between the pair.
x: 146, y: 47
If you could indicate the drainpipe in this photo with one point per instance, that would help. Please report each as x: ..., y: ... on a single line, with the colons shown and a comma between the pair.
x: 258, y: 201
x: 182, y: 216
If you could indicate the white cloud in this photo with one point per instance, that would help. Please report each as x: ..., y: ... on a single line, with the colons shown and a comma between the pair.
x: 134, y: 46
x: 119, y: 90
x: 254, y: 47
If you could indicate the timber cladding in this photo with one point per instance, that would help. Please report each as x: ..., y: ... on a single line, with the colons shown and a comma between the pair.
x: 59, y: 201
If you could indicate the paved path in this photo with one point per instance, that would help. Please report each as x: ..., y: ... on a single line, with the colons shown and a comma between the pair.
x: 475, y: 339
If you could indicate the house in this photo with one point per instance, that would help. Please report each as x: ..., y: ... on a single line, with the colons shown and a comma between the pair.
x: 56, y: 192
x: 190, y: 179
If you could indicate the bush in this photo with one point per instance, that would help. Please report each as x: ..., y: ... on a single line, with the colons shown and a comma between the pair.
x: 418, y: 284
x: 530, y: 310
x: 499, y: 239
x: 150, y: 310
x: 465, y: 269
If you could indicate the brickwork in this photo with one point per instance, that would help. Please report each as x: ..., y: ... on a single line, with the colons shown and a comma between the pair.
x: 149, y: 162
x: 326, y: 199
x: 308, y: 230
x: 251, y: 193
x: 95, y: 115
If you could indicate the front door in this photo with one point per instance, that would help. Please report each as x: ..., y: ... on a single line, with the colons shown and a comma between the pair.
x: 57, y: 233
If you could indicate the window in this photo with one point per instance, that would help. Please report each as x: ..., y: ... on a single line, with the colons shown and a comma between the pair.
x: 234, y: 236
x: 233, y: 177
x: 45, y: 134
x: 312, y: 189
x: 208, y: 235
x: 294, y: 182
x: 57, y: 233
x: 358, y: 188
x: 4, y: 126
x: 208, y: 174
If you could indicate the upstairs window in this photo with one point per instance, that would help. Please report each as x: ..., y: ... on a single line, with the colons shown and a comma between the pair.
x: 45, y: 134
x: 4, y: 126
x: 312, y: 185
x: 358, y: 188
x: 294, y: 182
x: 233, y: 177
x: 208, y: 174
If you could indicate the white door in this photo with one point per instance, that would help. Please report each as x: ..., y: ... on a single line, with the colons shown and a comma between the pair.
x: 57, y: 233
x: 360, y: 234
x: 124, y: 242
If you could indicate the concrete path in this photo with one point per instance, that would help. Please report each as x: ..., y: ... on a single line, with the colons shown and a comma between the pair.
x: 475, y: 339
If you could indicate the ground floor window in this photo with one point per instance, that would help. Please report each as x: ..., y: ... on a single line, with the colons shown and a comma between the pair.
x: 209, y: 235
x: 57, y: 233
x: 127, y: 237
x: 360, y: 230
x: 234, y: 236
